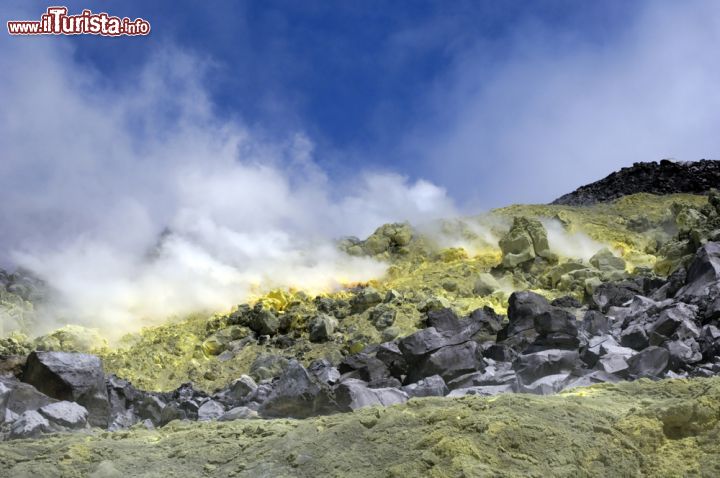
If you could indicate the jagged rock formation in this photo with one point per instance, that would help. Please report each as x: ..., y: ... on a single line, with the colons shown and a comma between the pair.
x: 526, y: 240
x: 665, y: 177
x: 444, y: 323
x: 634, y: 328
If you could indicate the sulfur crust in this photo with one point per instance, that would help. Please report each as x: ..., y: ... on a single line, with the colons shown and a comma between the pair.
x: 163, y: 357
x: 665, y: 429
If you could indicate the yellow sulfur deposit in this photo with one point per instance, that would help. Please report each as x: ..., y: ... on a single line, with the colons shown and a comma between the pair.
x: 665, y: 429
x: 424, y: 268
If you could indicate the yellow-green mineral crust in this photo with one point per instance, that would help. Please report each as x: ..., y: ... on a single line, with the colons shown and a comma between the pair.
x: 668, y: 428
x: 423, y: 272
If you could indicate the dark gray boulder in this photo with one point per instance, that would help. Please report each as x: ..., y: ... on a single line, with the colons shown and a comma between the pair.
x: 494, y: 373
x: 150, y: 407
x: 614, y: 364
x: 176, y: 411
x: 17, y: 397
x: 324, y: 372
x: 241, y: 389
x: 210, y: 410
x: 557, y: 329
x: 238, y: 413
x: 489, y: 322
x: 448, y: 330
x: 352, y: 394
x: 704, y: 271
x: 267, y: 366
x: 322, y: 327
x: 595, y: 323
x: 263, y: 321
x: 433, y: 386
x: 523, y: 307
x: 30, y: 424
x: 426, y: 341
x: 368, y: 368
x: 682, y: 353
x: 651, y: 362
x: 531, y: 367
x: 295, y: 394
x: 503, y: 352
x: 448, y: 362
x: 668, y: 321
x: 183, y: 403
x: 65, y: 414
x: 389, y: 353
x: 123, y: 398
x: 590, y: 378
x: 614, y: 294
x: 546, y: 385
x: 443, y: 319
x: 73, y: 377
x: 709, y: 342
x: 634, y: 337
x: 566, y: 302
x: 259, y: 396
x: 483, y: 390
x: 712, y: 310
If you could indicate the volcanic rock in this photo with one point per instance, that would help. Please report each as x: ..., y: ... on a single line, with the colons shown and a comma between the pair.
x: 294, y: 394
x: 210, y: 410
x: 448, y: 362
x: 65, y: 414
x: 665, y: 177
x: 526, y: 239
x: 30, y: 424
x: 485, y: 284
x: 17, y: 397
x: 352, y: 394
x: 523, y: 307
x: 704, y: 270
x: 606, y: 261
x: 73, y: 377
x: 531, y: 367
x: 322, y: 327
x: 433, y: 386
x: 651, y: 362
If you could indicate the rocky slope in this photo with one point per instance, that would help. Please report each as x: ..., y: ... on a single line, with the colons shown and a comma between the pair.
x: 665, y: 177
x: 534, y: 299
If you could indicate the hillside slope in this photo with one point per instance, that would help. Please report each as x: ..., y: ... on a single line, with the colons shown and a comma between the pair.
x: 665, y: 177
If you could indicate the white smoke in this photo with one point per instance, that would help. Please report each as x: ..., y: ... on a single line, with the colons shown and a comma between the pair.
x: 575, y: 244
x: 91, y: 175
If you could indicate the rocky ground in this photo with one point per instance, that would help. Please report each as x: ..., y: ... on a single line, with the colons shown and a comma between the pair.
x: 471, y: 312
x: 665, y: 177
x: 642, y: 428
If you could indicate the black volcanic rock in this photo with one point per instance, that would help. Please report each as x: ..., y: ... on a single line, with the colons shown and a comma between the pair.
x: 665, y: 177
x: 72, y: 377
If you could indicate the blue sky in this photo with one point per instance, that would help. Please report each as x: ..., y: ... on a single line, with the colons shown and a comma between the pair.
x: 353, y: 75
x: 491, y: 102
x: 436, y: 89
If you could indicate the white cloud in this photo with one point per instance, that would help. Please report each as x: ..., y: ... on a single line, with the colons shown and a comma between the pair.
x: 559, y: 111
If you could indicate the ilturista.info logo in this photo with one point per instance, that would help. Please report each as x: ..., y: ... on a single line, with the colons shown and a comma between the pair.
x: 56, y: 21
